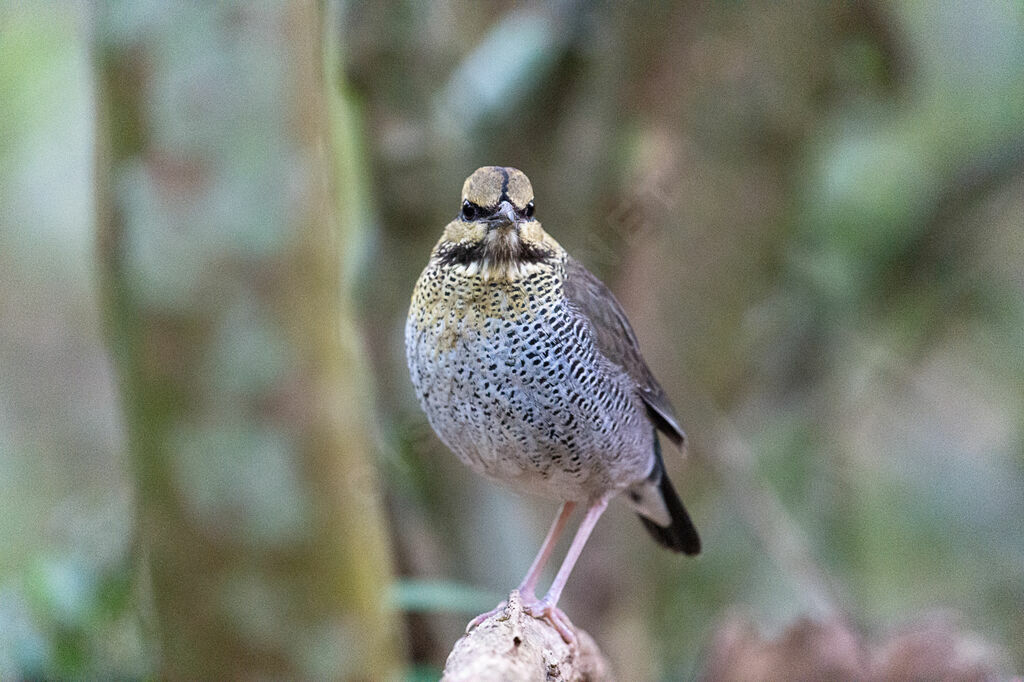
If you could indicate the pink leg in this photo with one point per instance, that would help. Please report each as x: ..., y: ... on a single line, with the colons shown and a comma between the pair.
x: 547, y: 607
x: 529, y: 584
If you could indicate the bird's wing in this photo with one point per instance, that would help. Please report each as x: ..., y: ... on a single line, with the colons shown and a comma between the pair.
x: 615, y: 339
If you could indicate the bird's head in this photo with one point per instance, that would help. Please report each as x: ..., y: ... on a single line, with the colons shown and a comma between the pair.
x: 495, y: 232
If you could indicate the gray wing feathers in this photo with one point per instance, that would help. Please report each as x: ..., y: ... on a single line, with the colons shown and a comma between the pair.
x: 614, y: 337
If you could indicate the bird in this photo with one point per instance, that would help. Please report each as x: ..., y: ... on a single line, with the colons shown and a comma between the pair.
x: 530, y: 373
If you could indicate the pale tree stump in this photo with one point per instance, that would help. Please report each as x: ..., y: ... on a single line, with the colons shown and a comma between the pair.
x: 513, y: 645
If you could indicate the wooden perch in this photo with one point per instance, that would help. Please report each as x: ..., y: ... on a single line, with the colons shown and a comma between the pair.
x: 513, y: 645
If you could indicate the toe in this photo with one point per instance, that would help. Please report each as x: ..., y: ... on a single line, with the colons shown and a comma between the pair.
x: 484, y: 616
x: 544, y: 610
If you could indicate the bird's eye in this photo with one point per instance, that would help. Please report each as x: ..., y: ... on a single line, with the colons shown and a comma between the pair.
x: 469, y: 210
x: 528, y: 211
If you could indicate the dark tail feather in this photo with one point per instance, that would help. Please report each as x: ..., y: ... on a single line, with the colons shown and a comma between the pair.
x: 681, y: 535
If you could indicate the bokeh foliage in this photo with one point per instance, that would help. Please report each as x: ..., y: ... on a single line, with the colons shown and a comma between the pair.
x: 812, y: 212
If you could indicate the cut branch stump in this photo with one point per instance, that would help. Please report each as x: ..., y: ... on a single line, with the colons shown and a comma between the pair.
x: 513, y: 645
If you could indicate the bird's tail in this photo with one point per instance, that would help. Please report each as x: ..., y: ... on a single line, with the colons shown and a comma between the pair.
x: 662, y: 512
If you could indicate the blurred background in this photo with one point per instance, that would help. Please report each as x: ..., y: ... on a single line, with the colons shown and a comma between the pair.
x: 813, y: 213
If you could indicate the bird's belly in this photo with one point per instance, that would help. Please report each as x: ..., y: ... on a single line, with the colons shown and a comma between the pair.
x: 523, y: 401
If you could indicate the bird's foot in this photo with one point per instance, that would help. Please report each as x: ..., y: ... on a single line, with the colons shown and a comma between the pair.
x: 541, y: 609
x: 544, y: 609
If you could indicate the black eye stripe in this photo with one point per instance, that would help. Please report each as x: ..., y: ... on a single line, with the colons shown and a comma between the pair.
x: 471, y: 211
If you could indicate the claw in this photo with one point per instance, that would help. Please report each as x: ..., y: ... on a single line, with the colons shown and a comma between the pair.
x: 544, y: 610
x: 484, y: 616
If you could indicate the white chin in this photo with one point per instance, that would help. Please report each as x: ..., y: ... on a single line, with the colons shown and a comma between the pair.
x: 502, y: 239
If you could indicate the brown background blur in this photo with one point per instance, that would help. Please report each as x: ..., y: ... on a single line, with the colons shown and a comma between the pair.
x: 813, y: 213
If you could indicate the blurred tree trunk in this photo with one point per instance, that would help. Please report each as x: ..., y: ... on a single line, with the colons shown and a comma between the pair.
x: 234, y: 339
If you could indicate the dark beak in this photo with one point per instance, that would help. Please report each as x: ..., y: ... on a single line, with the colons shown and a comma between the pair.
x: 505, y: 214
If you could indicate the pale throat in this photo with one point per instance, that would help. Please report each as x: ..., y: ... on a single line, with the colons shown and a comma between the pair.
x: 503, y: 253
x: 501, y: 241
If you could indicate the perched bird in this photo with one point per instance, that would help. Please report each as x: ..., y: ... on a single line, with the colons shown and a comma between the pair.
x: 529, y: 371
